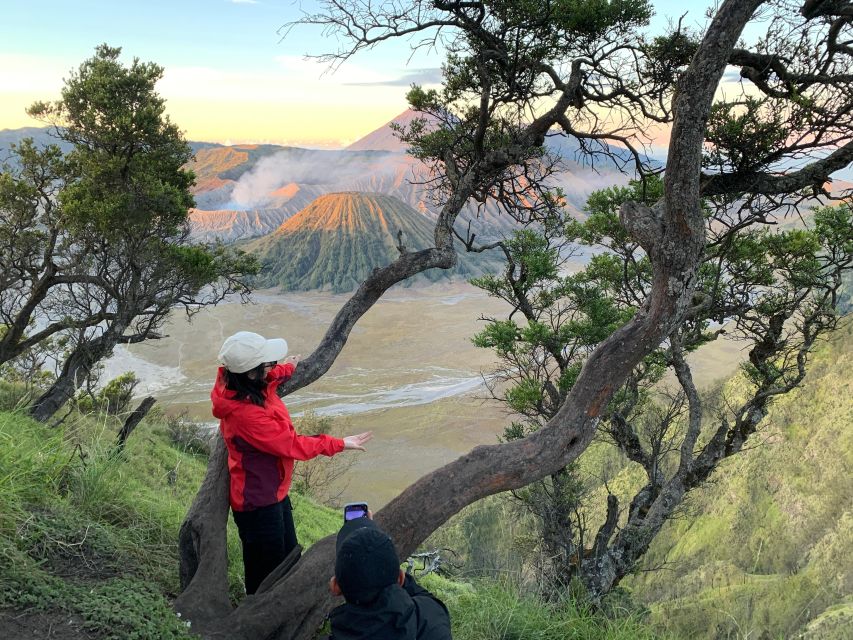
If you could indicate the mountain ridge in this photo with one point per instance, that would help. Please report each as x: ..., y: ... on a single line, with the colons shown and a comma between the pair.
x: 244, y: 191
x: 238, y: 186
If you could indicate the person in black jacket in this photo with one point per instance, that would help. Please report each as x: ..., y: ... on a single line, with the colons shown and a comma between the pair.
x: 382, y: 601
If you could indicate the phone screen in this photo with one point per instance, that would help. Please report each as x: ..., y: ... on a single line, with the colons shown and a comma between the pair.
x: 355, y: 510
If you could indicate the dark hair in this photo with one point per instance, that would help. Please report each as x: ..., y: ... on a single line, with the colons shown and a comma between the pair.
x: 247, y: 387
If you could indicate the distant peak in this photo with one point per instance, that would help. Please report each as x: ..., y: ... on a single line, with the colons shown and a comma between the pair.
x: 340, y: 238
x: 383, y: 138
x: 352, y: 211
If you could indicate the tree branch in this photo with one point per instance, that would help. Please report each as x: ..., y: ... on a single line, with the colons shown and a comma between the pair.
x: 814, y: 175
x: 694, y: 423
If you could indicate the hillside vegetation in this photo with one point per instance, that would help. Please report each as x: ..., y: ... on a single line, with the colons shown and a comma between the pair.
x: 88, y: 541
x: 88, y: 535
x: 335, y: 242
x: 765, y: 550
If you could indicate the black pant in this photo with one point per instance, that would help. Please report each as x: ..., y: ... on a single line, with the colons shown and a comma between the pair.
x: 268, y: 535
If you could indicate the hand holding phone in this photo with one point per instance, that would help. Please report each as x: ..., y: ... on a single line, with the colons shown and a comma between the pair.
x: 355, y: 510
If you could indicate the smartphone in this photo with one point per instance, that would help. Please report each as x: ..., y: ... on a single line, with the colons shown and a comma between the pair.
x: 355, y: 510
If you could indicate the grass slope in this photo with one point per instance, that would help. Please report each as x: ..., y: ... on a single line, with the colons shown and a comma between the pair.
x: 763, y: 551
x: 768, y: 549
x: 90, y: 536
x: 88, y: 542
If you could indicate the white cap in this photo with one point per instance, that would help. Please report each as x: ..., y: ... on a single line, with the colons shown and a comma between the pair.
x: 245, y: 350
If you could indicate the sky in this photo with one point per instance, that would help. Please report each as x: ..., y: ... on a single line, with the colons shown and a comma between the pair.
x: 230, y: 76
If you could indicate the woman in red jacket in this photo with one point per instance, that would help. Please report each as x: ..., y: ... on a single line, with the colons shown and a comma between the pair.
x: 262, y: 446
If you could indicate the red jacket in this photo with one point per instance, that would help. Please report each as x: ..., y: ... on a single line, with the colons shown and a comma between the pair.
x: 262, y: 443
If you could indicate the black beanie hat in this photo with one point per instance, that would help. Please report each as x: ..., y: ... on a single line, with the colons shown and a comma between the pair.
x: 366, y: 561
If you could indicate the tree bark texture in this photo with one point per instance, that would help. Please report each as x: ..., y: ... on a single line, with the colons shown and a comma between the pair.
x: 295, y: 607
x: 133, y: 420
x: 202, y: 547
x: 76, y: 368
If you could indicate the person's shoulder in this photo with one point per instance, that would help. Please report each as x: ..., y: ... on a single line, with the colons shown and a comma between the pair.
x: 433, y: 616
x: 252, y: 416
x: 433, y: 609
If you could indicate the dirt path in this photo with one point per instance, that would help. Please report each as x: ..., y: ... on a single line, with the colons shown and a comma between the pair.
x: 38, y: 625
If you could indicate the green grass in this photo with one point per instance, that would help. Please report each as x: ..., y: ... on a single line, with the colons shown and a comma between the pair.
x: 91, y: 533
x: 494, y: 611
x: 79, y: 534
x: 766, y: 551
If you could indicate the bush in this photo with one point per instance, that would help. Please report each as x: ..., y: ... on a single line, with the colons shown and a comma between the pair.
x: 114, y: 399
x: 489, y: 539
x: 15, y: 396
x: 117, y: 609
x: 320, y: 477
x: 189, y: 435
x: 79, y: 534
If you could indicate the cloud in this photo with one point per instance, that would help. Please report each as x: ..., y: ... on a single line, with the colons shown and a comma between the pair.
x: 415, y: 76
x: 295, y: 81
x: 345, y: 171
x: 290, y: 103
x: 27, y: 73
x: 353, y: 75
x: 25, y: 79
x: 302, y: 67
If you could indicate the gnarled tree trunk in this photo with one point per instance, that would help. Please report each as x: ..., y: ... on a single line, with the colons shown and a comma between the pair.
x: 672, y: 234
x: 133, y: 420
x: 76, y: 368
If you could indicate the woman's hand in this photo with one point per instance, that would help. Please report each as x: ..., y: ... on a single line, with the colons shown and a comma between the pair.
x: 357, y: 442
x: 292, y: 359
